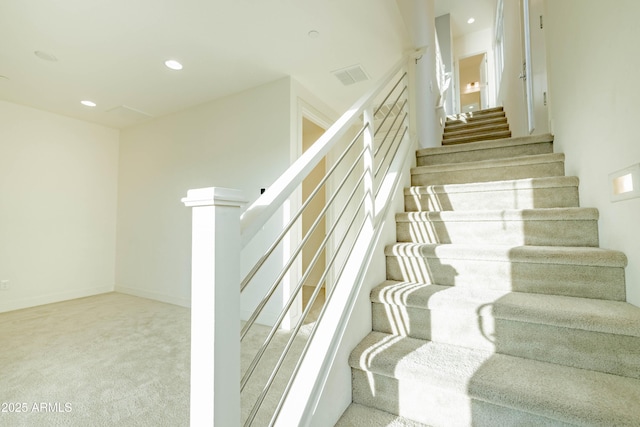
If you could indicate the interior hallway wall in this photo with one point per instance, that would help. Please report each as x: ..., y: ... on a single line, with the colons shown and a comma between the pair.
x: 594, y: 110
x: 58, y: 184
x: 241, y: 141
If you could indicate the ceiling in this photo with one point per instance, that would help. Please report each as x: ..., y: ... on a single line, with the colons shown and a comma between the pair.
x: 112, y: 52
x: 483, y: 11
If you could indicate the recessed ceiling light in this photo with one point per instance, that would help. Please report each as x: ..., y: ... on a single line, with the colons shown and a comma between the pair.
x: 313, y: 34
x: 45, y: 55
x: 471, y: 20
x: 173, y: 64
x: 88, y: 103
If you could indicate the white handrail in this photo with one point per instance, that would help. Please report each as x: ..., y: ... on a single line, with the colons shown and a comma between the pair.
x: 216, y: 285
x: 268, y: 203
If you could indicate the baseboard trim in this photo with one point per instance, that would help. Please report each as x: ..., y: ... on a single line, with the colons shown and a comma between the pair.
x: 22, y: 303
x: 169, y: 299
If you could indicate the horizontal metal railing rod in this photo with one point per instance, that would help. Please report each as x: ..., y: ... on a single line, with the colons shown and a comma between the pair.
x: 375, y: 154
x: 254, y: 270
x: 389, y: 94
x: 283, y: 312
x: 300, y: 323
x: 277, y: 194
x: 395, y: 102
x: 296, y: 368
x: 296, y: 252
x: 393, y: 140
x: 395, y: 152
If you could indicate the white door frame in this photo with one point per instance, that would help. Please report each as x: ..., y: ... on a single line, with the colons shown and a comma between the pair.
x: 527, y: 74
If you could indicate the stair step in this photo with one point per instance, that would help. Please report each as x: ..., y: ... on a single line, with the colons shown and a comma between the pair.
x: 365, y: 416
x: 561, y: 192
x: 499, y: 127
x: 474, y: 116
x: 485, y: 136
x: 571, y: 271
x: 584, y: 333
x: 441, y: 384
x: 452, y: 126
x: 573, y: 396
x: 516, y: 227
x: 537, y: 166
x: 446, y: 314
x: 486, y: 150
x: 419, y: 380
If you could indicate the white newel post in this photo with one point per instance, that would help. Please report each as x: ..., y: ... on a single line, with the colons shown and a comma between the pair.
x: 215, y: 306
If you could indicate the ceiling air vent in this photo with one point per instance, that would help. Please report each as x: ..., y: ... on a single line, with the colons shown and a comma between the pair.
x: 351, y: 75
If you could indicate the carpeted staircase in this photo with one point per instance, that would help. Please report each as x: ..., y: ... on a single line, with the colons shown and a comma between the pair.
x: 500, y: 309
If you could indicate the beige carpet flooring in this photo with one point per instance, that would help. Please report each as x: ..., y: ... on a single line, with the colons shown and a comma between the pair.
x: 114, y: 359
x: 108, y: 360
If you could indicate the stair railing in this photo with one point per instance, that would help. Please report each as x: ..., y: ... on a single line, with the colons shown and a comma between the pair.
x: 363, y: 152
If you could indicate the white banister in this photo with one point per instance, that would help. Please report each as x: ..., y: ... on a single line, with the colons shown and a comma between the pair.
x: 215, y: 306
x: 362, y: 182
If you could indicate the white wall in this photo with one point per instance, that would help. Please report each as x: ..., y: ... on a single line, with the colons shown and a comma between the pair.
x: 419, y: 17
x: 58, y: 183
x: 241, y: 141
x: 592, y: 73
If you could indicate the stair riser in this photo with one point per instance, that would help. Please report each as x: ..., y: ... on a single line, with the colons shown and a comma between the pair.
x: 558, y: 197
x: 475, y: 138
x: 500, y: 127
x: 514, y: 233
x: 487, y: 414
x: 597, y: 351
x: 436, y: 406
x: 465, y: 329
x: 456, y: 126
x: 555, y: 279
x: 411, y: 399
x: 472, y: 117
x: 498, y: 173
x: 486, y: 154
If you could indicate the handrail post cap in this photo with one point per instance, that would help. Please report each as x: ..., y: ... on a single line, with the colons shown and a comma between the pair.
x: 214, y: 196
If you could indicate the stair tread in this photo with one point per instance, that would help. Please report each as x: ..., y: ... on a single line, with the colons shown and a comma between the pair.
x: 588, y: 314
x: 544, y: 214
x: 445, y: 365
x: 558, y: 392
x: 485, y: 164
x: 507, y: 185
x: 358, y: 415
x: 484, y: 136
x: 525, y: 254
x: 478, y: 121
x: 477, y: 115
x: 481, y: 145
x: 528, y: 385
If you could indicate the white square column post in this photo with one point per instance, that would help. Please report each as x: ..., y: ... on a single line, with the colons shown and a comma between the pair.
x: 215, y: 306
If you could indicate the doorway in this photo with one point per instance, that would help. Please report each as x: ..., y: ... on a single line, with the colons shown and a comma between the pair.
x: 310, y: 134
x: 473, y: 83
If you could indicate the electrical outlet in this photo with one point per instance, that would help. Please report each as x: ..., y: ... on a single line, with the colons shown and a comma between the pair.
x: 4, y: 285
